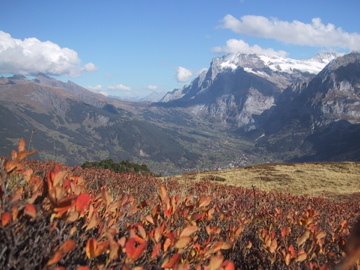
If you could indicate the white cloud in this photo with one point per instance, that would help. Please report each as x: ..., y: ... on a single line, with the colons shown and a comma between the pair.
x: 119, y: 87
x: 240, y: 46
x: 152, y: 87
x: 104, y: 93
x: 98, y: 89
x: 183, y: 74
x: 31, y: 56
x: 316, y: 33
x: 89, y: 67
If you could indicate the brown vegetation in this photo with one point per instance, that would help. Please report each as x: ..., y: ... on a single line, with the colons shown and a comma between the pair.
x: 55, y: 217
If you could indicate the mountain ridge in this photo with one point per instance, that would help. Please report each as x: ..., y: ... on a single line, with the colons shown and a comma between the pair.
x: 223, y: 119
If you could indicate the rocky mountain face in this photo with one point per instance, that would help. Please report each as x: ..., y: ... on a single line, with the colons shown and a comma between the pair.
x: 67, y: 123
x: 238, y: 87
x: 320, y: 119
x: 296, y: 110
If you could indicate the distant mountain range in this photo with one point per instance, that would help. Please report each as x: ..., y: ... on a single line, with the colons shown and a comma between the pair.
x: 297, y: 110
x: 244, y: 109
x: 238, y: 87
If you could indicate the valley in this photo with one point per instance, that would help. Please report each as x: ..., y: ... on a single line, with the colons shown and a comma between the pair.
x: 241, y: 111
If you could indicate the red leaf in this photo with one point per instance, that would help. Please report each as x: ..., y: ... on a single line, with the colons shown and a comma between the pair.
x: 133, y: 249
x: 285, y: 231
x: 5, y: 218
x: 30, y: 210
x: 292, y: 251
x: 171, y: 262
x: 228, y: 265
x: 156, y: 251
x: 82, y: 268
x: 82, y: 202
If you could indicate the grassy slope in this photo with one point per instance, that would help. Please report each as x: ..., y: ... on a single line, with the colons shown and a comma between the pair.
x: 315, y: 179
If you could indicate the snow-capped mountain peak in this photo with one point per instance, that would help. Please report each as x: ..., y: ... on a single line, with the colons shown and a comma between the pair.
x: 279, y: 70
x: 275, y: 63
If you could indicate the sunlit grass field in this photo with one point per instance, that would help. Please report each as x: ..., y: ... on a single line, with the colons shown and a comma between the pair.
x: 316, y: 179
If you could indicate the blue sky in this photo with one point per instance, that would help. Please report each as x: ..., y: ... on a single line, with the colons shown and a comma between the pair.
x: 140, y: 44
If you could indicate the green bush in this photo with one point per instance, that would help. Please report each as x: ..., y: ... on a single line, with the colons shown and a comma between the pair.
x: 119, y: 167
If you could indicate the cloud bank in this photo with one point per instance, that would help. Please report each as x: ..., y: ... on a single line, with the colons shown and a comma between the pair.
x: 119, y: 87
x: 183, y: 74
x: 316, y: 33
x: 152, y: 87
x: 240, y: 46
x: 31, y: 56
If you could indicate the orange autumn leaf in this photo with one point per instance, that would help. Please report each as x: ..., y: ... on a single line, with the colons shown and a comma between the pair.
x: 164, y: 195
x: 273, y: 246
x: 215, y: 262
x: 182, y: 242
x: 302, y: 256
x: 30, y: 210
x: 156, y: 251
x: 167, y: 244
x: 228, y: 265
x: 60, y: 211
x: 94, y: 249
x: 59, y: 268
x: 82, y: 268
x: 10, y: 165
x: 302, y: 239
x: 142, y: 232
x: 157, y: 234
x: 292, y: 251
x: 5, y: 218
x: 204, y: 201
x: 189, y: 230
x: 55, y: 258
x: 320, y: 235
x: 64, y: 249
x: 285, y: 231
x: 133, y: 249
x: 287, y: 259
x: 82, y: 202
x: 13, y: 155
x: 114, y: 249
x: 21, y: 145
x: 14, y: 213
x: 93, y: 222
x: 24, y: 154
x: 149, y: 219
x: 171, y: 262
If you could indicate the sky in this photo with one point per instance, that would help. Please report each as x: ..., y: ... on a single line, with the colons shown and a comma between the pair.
x: 132, y: 48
